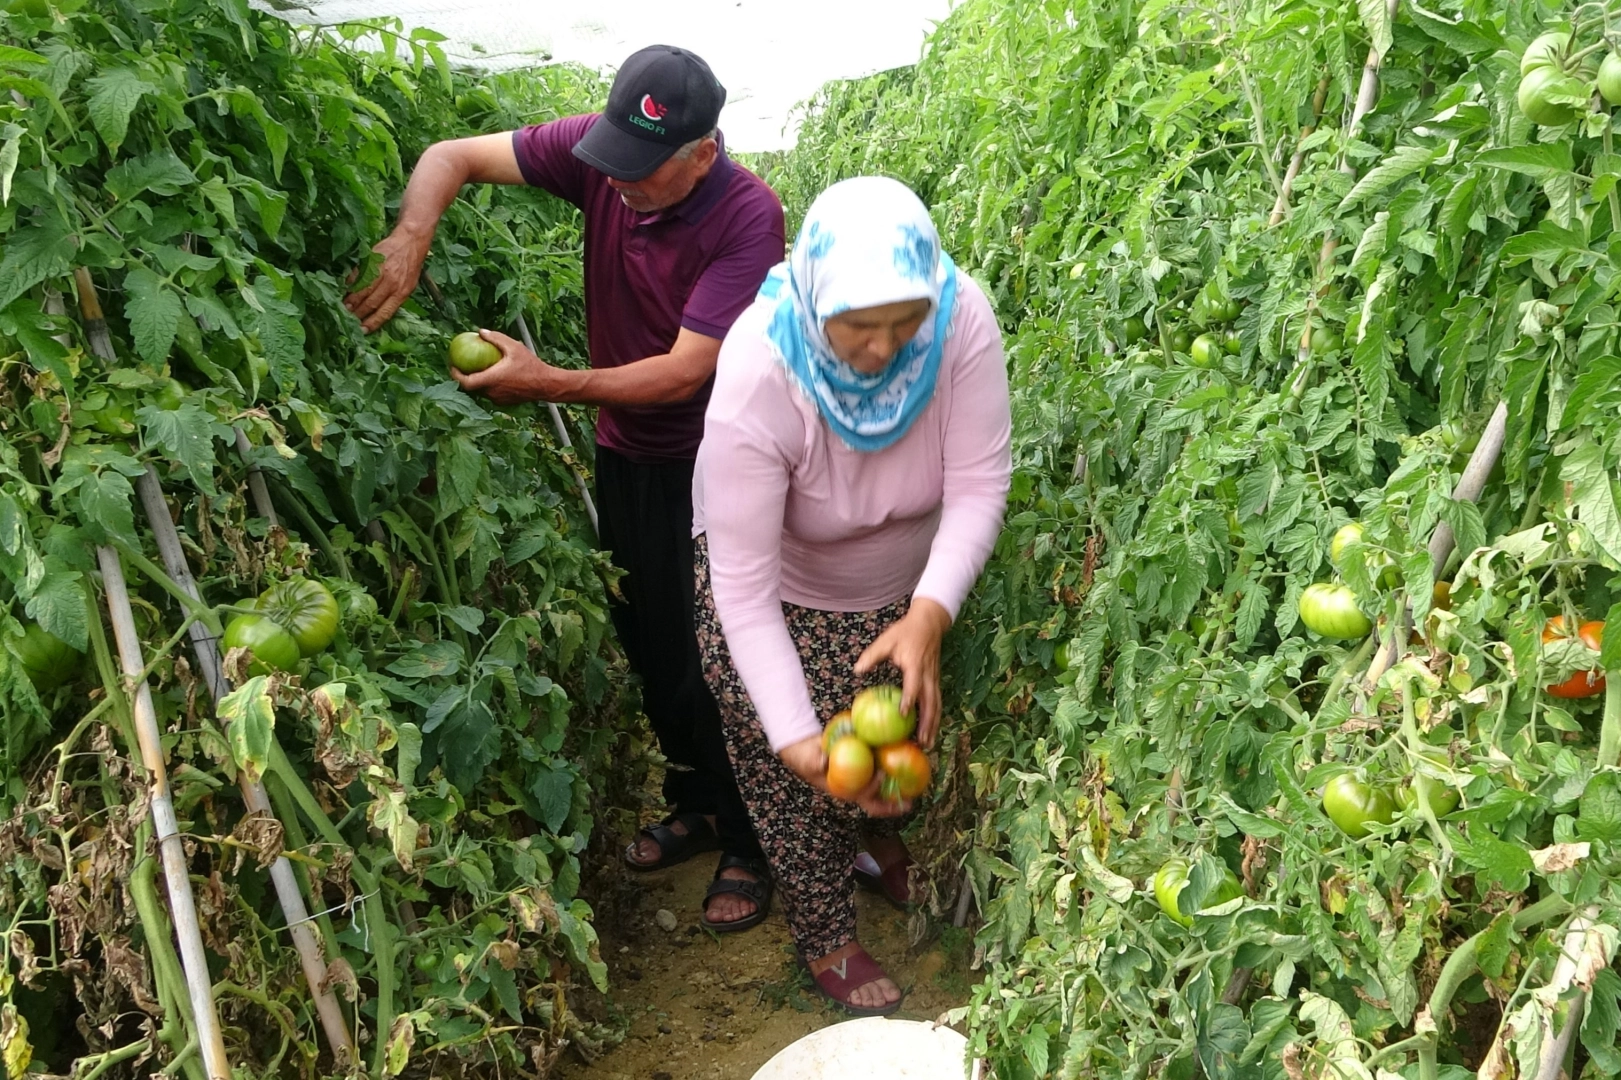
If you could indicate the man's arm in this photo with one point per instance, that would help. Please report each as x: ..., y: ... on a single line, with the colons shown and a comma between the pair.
x: 664, y: 379
x: 439, y: 175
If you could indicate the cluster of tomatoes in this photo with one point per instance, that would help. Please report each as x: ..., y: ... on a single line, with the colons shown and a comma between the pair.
x: 290, y: 620
x: 1557, y: 80
x: 873, y: 736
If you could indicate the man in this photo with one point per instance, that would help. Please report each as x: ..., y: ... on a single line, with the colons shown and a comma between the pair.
x: 678, y: 238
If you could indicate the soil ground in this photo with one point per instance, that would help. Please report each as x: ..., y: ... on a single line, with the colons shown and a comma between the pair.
x: 717, y: 1007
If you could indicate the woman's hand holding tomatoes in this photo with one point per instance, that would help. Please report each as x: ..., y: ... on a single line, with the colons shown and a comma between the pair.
x: 912, y: 644
x: 807, y: 760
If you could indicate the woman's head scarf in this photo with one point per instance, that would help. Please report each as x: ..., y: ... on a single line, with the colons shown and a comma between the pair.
x: 865, y: 242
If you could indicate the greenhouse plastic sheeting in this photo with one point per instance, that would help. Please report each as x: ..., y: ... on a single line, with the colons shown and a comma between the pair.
x: 770, y: 56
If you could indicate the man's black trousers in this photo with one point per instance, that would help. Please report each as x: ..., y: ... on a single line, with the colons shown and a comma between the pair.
x: 645, y: 517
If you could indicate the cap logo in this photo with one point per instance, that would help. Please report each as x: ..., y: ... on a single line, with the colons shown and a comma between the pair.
x: 652, y: 109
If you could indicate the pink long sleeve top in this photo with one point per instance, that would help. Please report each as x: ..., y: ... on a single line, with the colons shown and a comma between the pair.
x: 792, y: 514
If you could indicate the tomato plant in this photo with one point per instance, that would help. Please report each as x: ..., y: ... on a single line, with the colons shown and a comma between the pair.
x: 1449, y: 265
x: 210, y: 175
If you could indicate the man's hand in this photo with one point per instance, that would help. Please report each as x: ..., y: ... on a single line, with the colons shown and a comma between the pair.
x: 519, y: 375
x: 403, y: 255
x: 806, y: 760
x: 913, y: 644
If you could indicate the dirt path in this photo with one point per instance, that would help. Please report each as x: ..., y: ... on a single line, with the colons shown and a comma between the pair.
x: 702, y: 1007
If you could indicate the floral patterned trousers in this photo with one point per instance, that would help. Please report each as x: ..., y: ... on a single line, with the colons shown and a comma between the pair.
x: 809, y: 837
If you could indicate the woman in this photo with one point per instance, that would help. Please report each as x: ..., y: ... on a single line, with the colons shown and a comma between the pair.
x: 850, y: 486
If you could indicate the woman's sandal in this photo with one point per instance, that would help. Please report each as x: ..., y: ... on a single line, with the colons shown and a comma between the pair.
x: 892, y: 883
x: 674, y: 848
x: 758, y: 890
x: 843, y: 979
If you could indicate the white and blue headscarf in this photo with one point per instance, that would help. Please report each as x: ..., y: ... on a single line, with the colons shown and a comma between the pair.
x: 864, y: 242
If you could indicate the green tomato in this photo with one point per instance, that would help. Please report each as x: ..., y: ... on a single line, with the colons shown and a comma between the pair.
x: 1061, y: 657
x: 876, y: 713
x: 470, y: 353
x: 1344, y: 537
x: 273, y: 648
x: 169, y: 394
x: 1609, y: 79
x: 1538, y: 87
x: 1547, y: 51
x: 47, y: 659
x: 1354, y: 805
x: 1325, y: 340
x: 1443, y: 798
x: 1135, y: 330
x: 116, y: 419
x: 426, y: 962
x: 1232, y: 343
x: 306, y: 609
x: 1181, y: 341
x: 1172, y: 878
x: 1205, y: 351
x: 1332, y: 611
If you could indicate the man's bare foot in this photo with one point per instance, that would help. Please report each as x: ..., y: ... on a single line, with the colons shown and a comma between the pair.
x: 870, y: 995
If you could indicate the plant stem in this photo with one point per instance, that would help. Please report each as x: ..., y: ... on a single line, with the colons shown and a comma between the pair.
x: 1609, y: 734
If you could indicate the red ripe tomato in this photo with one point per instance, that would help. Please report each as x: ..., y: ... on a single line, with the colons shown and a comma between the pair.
x: 906, y: 771
x: 849, y: 767
x: 1582, y: 683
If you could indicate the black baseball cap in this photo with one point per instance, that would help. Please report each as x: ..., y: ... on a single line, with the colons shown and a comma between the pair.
x: 662, y: 99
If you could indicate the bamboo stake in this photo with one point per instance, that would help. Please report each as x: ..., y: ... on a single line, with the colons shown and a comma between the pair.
x: 182, y: 905
x: 1281, y: 207
x: 205, y: 645
x: 562, y: 434
x: 256, y: 479
x: 1470, y: 486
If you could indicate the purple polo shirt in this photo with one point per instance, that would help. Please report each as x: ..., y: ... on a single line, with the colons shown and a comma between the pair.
x: 696, y: 265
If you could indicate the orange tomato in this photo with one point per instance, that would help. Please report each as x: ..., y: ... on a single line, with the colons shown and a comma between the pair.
x: 849, y: 767
x: 1582, y: 683
x: 906, y: 771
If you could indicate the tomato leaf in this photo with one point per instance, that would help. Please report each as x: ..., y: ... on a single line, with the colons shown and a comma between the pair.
x: 57, y: 604
x: 1593, y: 497
x: 113, y: 97
x: 43, y: 249
x: 186, y: 434
x: 153, y: 310
x: 1599, y: 816
x: 249, y: 719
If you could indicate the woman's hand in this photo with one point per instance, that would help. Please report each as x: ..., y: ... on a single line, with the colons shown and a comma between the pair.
x: 806, y: 760
x: 912, y: 644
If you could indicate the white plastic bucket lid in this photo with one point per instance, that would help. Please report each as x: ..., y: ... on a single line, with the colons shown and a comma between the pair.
x: 875, y: 1048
